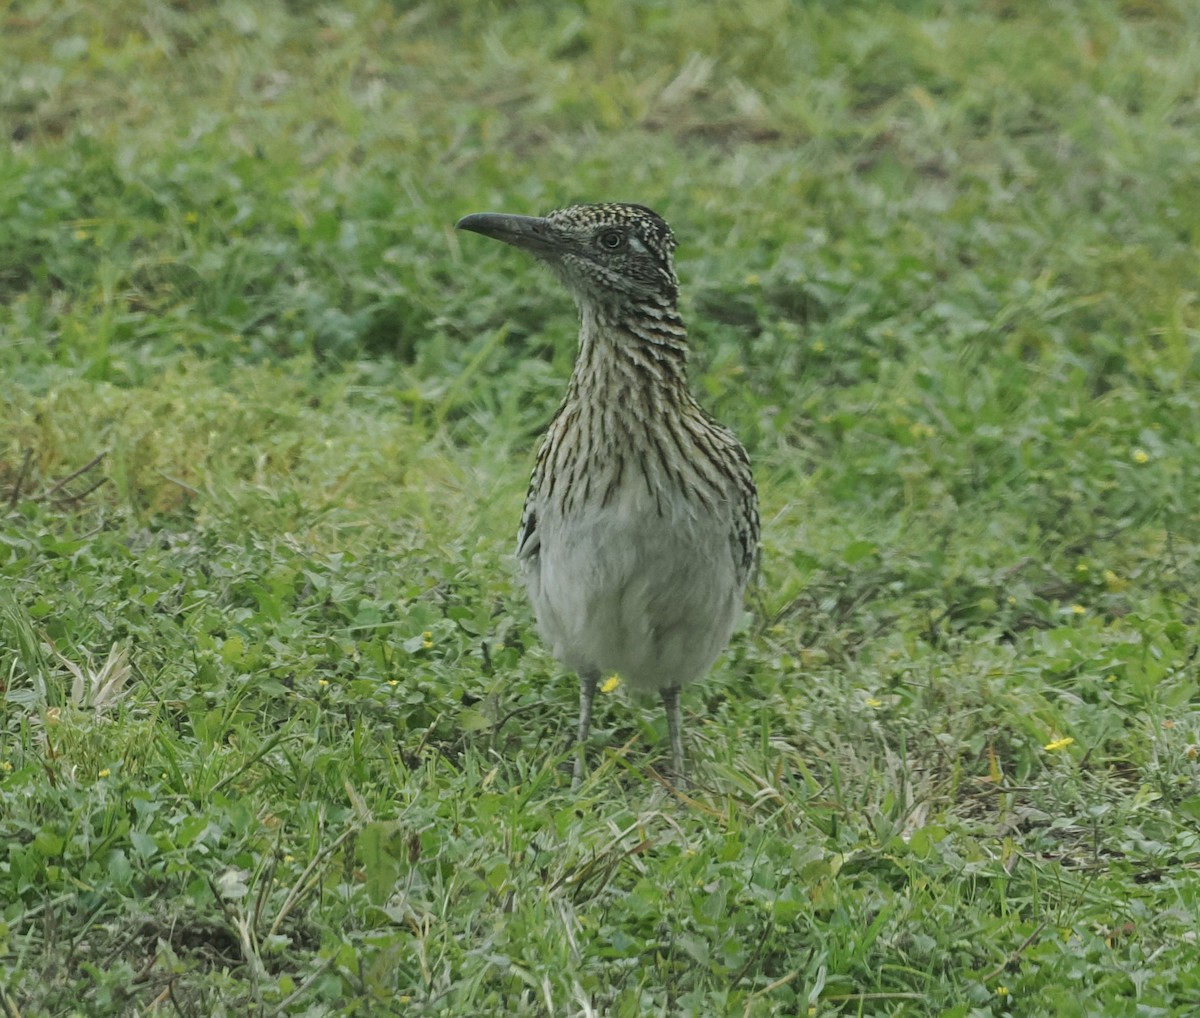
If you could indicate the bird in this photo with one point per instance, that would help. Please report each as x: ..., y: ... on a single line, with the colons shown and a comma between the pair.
x: 640, y: 528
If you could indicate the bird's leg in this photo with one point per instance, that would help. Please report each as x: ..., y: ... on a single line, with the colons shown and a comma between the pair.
x: 587, y: 693
x: 670, y: 699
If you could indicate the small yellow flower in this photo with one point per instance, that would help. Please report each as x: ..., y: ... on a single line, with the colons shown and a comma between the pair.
x: 191, y: 217
x: 427, y: 635
x: 1140, y: 456
x: 1078, y: 609
x: 322, y: 683
x: 1057, y: 744
x: 427, y: 644
x: 104, y: 772
x: 6, y: 766
x: 53, y: 717
x: 393, y: 682
x: 1082, y: 567
x: 873, y: 701
x: 1001, y: 991
x: 610, y: 684
x: 1113, y: 582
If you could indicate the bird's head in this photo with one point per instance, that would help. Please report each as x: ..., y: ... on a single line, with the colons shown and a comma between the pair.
x: 610, y: 256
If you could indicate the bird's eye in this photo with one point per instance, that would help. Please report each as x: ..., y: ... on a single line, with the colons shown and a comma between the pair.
x: 612, y: 239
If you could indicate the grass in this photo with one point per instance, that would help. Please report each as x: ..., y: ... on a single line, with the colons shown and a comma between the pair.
x: 277, y: 737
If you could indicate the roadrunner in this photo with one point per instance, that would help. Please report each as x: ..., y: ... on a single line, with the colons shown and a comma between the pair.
x: 640, y: 527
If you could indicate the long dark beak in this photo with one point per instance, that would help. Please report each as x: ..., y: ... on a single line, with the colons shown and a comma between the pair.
x: 531, y: 233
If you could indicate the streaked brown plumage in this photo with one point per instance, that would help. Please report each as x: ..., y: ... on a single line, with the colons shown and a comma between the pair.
x: 640, y: 528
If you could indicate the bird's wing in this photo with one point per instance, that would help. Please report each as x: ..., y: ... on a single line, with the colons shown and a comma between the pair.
x: 746, y: 526
x: 529, y: 540
x: 743, y: 495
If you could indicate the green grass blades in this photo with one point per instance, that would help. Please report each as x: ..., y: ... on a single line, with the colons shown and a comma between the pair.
x: 276, y: 735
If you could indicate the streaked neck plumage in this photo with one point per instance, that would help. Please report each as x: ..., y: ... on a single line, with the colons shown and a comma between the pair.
x: 635, y: 351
